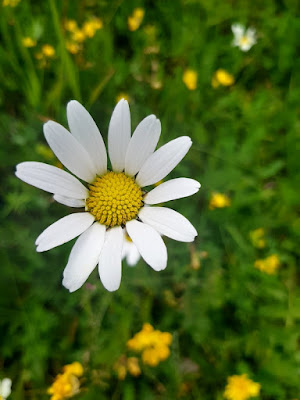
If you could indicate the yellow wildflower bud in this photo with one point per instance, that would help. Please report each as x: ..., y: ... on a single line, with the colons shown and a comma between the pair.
x: 133, y: 366
x: 48, y: 51
x: 268, y: 265
x: 218, y: 200
x: 72, y: 47
x: 190, y: 78
x: 75, y: 368
x: 78, y: 36
x: 134, y: 21
x: 240, y: 387
x: 70, y: 25
x: 222, y: 77
x: 28, y: 42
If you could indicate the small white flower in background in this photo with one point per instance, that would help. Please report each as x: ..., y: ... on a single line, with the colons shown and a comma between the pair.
x: 5, y: 388
x: 130, y: 251
x: 114, y: 202
x: 243, y: 38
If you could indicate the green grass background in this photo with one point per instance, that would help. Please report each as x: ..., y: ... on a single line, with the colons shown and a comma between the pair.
x: 226, y: 317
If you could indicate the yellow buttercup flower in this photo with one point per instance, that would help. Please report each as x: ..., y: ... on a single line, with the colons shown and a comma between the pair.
x: 127, y: 364
x: 257, y: 238
x: 67, y: 384
x: 48, y: 51
x: 91, y: 26
x: 134, y: 21
x: 223, y: 78
x: 72, y: 47
x: 78, y: 36
x: 28, y: 42
x: 268, y: 265
x: 70, y: 25
x: 190, y: 78
x: 240, y: 387
x: 152, y: 344
x: 218, y: 200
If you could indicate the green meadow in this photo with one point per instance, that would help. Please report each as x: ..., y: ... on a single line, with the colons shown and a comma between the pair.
x: 229, y: 301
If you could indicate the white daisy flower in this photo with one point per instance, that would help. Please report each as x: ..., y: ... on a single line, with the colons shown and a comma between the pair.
x: 113, y: 200
x: 5, y: 388
x: 130, y: 251
x: 243, y: 38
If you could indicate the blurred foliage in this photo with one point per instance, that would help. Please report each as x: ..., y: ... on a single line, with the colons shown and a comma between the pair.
x: 226, y: 316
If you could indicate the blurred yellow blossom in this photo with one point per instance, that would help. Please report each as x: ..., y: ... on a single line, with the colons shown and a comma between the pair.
x: 127, y: 364
x: 91, y: 26
x: 121, y: 96
x: 67, y: 384
x: 190, y: 78
x: 70, y: 25
x: 75, y: 369
x: 28, y: 42
x: 218, y: 200
x: 240, y: 387
x: 153, y: 344
x: 257, y: 237
x: 10, y: 3
x: 72, y: 47
x: 78, y: 36
x: 134, y: 21
x: 48, y: 51
x: 223, y: 78
x: 268, y: 265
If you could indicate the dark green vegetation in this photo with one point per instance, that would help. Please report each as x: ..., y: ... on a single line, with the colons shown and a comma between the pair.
x: 226, y: 317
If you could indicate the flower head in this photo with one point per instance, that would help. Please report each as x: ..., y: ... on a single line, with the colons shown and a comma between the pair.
x: 48, y: 51
x: 223, y: 78
x: 66, y: 384
x: 5, y: 388
x: 240, y: 387
x: 153, y: 344
x: 218, y: 200
x: 190, y: 78
x: 113, y: 202
x: 28, y: 42
x: 127, y: 364
x: 243, y: 38
x: 268, y: 265
x: 134, y: 21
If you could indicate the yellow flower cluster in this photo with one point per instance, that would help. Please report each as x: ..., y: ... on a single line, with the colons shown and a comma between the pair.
x: 190, y: 78
x: 257, y: 238
x: 76, y: 35
x: 127, y: 364
x: 66, y: 384
x: 153, y: 344
x: 218, y: 200
x: 223, y: 78
x: 47, y: 52
x: 134, y: 21
x: 28, y: 42
x: 10, y: 3
x: 240, y: 387
x: 268, y: 265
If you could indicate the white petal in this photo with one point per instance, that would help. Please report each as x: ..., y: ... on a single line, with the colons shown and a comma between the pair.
x: 51, y: 179
x: 163, y: 161
x: 119, y: 135
x: 238, y: 30
x: 149, y: 244
x: 69, y: 151
x: 131, y: 253
x: 142, y: 144
x: 84, y: 128
x: 5, y: 388
x: 64, y: 230
x: 171, y: 190
x: 110, y: 261
x: 169, y: 223
x: 67, y: 201
x: 84, y: 257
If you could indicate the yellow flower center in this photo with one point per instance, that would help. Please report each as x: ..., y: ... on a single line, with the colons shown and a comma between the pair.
x: 114, y: 199
x: 244, y: 40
